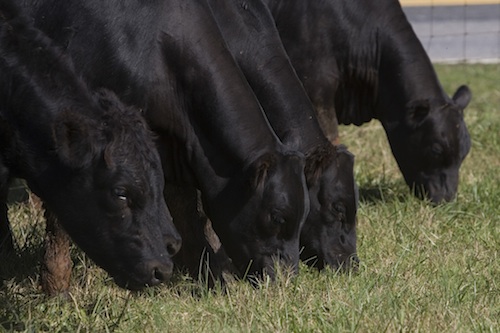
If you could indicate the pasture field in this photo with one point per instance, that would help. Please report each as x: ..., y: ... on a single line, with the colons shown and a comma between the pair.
x: 424, y: 268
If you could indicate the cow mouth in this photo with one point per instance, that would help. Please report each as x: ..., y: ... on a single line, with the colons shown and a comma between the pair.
x: 435, y: 194
x: 345, y: 264
x: 340, y: 262
x: 268, y: 267
x: 135, y: 284
x: 151, y: 274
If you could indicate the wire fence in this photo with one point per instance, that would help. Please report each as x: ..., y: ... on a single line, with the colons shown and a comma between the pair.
x: 465, y: 32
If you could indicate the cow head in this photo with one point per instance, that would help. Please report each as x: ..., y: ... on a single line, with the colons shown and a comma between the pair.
x: 431, y: 143
x: 265, y: 231
x: 329, y: 234
x: 107, y: 192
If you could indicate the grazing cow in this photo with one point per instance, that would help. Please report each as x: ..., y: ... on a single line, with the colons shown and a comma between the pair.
x: 361, y: 60
x: 91, y: 159
x: 329, y: 234
x: 168, y: 58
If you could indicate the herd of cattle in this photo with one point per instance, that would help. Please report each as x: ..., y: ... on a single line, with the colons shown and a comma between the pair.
x: 141, y: 124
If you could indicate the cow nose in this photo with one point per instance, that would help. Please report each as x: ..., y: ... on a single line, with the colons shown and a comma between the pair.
x: 159, y: 272
x: 287, y: 263
x: 350, y: 264
x: 173, y: 243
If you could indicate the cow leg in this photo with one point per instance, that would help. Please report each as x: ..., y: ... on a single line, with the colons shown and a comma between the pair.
x: 6, y: 241
x: 56, y: 266
x: 196, y: 255
x: 221, y: 263
x: 182, y: 203
x: 329, y: 124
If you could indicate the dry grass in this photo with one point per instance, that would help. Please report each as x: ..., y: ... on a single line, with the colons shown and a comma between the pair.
x: 424, y: 268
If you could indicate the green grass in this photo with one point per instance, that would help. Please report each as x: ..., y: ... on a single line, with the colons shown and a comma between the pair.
x: 424, y: 268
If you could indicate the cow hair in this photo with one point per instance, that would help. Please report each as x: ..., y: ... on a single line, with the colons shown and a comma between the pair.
x: 81, y: 140
x: 319, y: 159
x: 35, y: 77
x: 462, y: 97
x: 75, y: 139
x: 8, y: 10
x: 342, y: 150
x: 416, y: 112
x: 99, y: 121
x: 124, y: 128
x: 260, y: 168
x: 47, y: 67
x: 358, y: 65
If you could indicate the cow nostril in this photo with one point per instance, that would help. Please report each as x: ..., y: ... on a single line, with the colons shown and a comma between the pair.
x: 342, y: 239
x: 160, y: 274
x: 171, y: 250
x: 173, y: 245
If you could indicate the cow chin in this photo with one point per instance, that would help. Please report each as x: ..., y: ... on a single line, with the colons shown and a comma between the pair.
x: 438, y: 188
x: 343, y: 263
x: 132, y: 284
x: 336, y: 261
x: 127, y: 283
x: 264, y: 266
x: 148, y: 274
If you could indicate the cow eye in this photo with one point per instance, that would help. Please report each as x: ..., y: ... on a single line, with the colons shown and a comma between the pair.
x: 278, y: 220
x: 437, y: 149
x: 120, y: 193
x: 342, y: 217
x: 340, y: 212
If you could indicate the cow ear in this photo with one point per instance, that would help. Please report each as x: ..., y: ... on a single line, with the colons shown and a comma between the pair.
x: 260, y: 175
x: 260, y: 169
x: 345, y: 157
x: 416, y: 112
x: 76, y: 139
x: 462, y: 96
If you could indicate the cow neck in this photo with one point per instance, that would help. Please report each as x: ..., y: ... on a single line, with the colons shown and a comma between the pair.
x: 380, y: 62
x: 39, y: 84
x: 224, y: 127
x: 333, y: 54
x: 355, y: 46
x: 251, y: 35
x: 406, y: 72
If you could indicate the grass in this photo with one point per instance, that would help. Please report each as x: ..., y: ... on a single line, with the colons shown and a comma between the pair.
x: 424, y: 268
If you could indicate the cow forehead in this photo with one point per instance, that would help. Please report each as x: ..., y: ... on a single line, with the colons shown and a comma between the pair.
x: 128, y: 135
x: 285, y: 191
x: 141, y: 163
x: 445, y: 122
x: 444, y: 133
x: 130, y: 152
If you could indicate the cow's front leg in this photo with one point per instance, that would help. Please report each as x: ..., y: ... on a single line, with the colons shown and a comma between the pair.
x: 6, y: 241
x: 56, y: 266
x: 198, y: 254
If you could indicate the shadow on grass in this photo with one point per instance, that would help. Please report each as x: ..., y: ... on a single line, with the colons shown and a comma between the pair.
x: 21, y: 264
x: 28, y: 233
x: 10, y: 314
x: 374, y: 192
x: 11, y: 325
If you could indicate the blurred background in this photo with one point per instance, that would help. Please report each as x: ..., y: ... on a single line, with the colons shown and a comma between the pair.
x: 456, y: 31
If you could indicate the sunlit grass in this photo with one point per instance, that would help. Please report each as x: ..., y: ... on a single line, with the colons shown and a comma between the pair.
x: 424, y: 268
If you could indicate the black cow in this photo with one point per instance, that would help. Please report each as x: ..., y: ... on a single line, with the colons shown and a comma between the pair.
x: 91, y: 159
x: 168, y: 58
x: 360, y: 60
x: 329, y: 234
